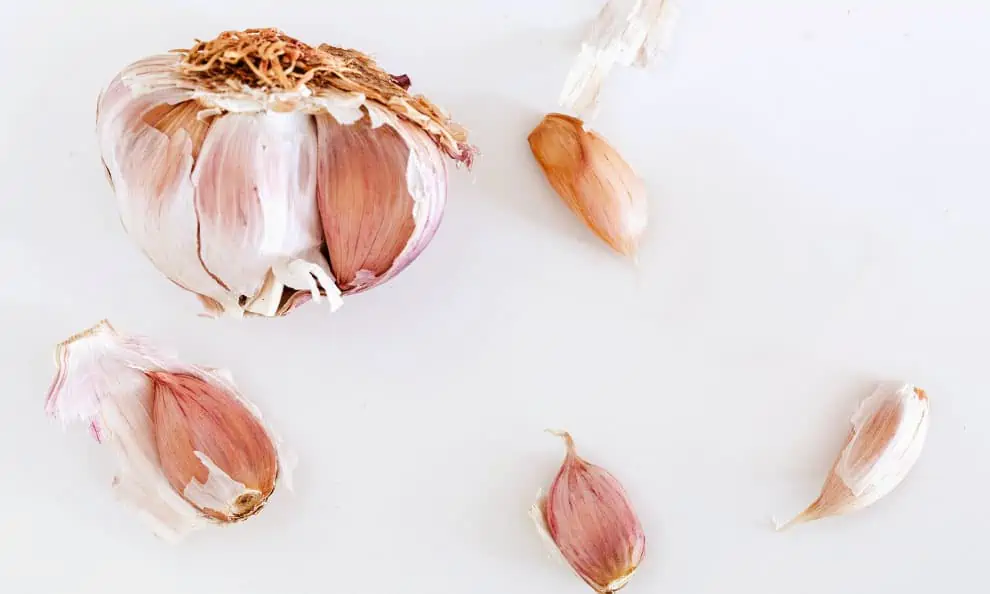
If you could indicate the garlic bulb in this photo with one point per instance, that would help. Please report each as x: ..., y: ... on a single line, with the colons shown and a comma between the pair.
x: 259, y: 172
x: 190, y: 449
x: 589, y: 520
x: 593, y: 180
x: 887, y: 436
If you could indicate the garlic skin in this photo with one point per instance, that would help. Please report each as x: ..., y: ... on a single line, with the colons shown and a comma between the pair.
x: 190, y: 449
x: 888, y: 433
x: 625, y: 33
x: 225, y: 160
x: 590, y: 521
x: 592, y: 179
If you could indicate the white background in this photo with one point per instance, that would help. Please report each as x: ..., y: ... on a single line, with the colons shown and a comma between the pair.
x: 820, y: 205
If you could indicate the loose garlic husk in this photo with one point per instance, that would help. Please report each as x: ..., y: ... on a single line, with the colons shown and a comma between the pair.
x: 588, y: 518
x: 592, y: 179
x: 190, y: 449
x: 626, y: 33
x: 259, y: 172
x: 887, y: 436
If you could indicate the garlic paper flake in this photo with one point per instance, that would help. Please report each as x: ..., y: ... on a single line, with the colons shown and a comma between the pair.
x: 888, y: 432
x: 260, y: 173
x: 190, y: 449
x: 625, y: 32
x: 589, y: 520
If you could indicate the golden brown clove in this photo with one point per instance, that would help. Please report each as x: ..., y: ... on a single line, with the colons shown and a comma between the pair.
x: 592, y: 179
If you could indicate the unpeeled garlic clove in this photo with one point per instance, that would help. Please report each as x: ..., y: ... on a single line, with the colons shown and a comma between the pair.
x: 590, y: 521
x: 191, y: 450
x: 592, y: 179
x: 887, y: 436
x: 255, y: 179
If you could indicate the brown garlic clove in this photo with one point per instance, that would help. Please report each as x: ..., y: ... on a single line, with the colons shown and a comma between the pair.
x: 592, y: 179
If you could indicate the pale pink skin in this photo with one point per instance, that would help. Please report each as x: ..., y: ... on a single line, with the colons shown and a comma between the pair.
x: 592, y: 522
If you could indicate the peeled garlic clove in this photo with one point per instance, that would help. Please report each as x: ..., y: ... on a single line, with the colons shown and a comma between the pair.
x: 213, y: 451
x: 887, y: 437
x: 380, y: 199
x: 589, y: 519
x: 214, y: 156
x: 191, y: 450
x: 593, y: 180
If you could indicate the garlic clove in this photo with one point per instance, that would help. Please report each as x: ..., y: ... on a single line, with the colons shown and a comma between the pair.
x: 592, y: 179
x: 379, y: 200
x: 149, y: 171
x: 590, y: 520
x: 213, y: 451
x: 255, y: 181
x: 190, y: 449
x: 888, y: 434
x: 426, y: 179
x: 366, y: 208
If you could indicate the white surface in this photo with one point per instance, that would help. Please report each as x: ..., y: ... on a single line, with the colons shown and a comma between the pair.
x: 820, y: 211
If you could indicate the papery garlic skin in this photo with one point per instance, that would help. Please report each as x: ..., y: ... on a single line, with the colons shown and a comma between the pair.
x: 887, y: 437
x: 625, y: 32
x: 589, y: 519
x: 592, y: 178
x: 190, y: 450
x: 224, y: 160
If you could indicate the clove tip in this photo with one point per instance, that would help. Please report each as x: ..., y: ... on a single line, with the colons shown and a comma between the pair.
x: 568, y: 440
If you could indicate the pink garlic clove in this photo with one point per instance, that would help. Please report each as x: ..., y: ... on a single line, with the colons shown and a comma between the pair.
x: 213, y: 450
x: 381, y: 191
x: 364, y: 201
x: 591, y: 522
